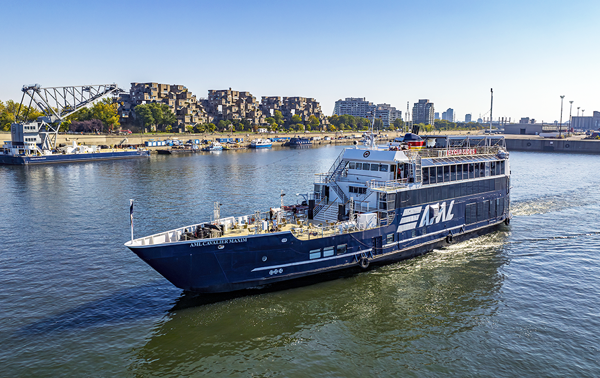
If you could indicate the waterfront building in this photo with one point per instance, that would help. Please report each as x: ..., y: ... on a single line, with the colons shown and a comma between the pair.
x: 467, y: 118
x: 230, y: 105
x: 436, y: 115
x: 387, y: 113
x: 187, y: 109
x: 587, y: 123
x: 423, y: 112
x: 354, y: 106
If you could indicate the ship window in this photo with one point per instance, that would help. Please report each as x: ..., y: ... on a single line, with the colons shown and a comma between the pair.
x: 383, y: 168
x: 480, y: 216
x: 482, y: 169
x: 446, y: 173
x: 432, y: 175
x: 471, y: 171
x: 366, y: 166
x: 315, y: 253
x: 476, y: 169
x: 327, y: 251
x: 493, y: 168
x: 425, y: 175
x: 358, y: 165
x: 389, y: 239
x: 465, y: 170
x: 470, y: 213
x: 440, y: 174
x: 374, y: 167
x: 453, y: 173
x: 341, y: 249
x: 352, y: 165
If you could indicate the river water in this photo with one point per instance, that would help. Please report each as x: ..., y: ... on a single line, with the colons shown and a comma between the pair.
x: 75, y: 302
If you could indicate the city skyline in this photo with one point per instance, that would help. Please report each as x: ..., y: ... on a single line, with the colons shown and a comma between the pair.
x: 530, y: 55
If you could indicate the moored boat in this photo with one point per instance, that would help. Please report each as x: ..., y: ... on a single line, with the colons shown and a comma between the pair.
x: 297, y: 142
x: 376, y: 205
x: 214, y: 146
x: 261, y: 143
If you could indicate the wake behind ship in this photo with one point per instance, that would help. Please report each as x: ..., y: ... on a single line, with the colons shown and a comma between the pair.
x: 376, y: 205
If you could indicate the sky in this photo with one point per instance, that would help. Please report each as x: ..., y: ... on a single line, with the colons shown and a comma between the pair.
x: 450, y: 52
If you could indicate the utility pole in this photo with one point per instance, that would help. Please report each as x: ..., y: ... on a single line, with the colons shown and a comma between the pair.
x: 491, y: 108
x: 570, y: 117
x: 561, y: 109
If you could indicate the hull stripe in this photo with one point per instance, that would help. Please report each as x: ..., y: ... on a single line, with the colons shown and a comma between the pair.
x: 312, y: 261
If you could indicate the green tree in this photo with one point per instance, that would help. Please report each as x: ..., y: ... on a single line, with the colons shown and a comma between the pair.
x: 278, y: 117
x: 398, y: 123
x: 313, y: 122
x: 9, y: 110
x: 212, y: 127
x: 296, y: 119
x: 143, y: 115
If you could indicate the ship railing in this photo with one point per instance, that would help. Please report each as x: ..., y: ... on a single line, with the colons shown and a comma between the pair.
x: 387, y: 185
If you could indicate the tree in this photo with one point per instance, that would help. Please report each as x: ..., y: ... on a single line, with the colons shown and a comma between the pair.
x: 211, y: 127
x: 313, y: 122
x: 143, y: 115
x: 296, y: 119
x: 8, y: 114
x: 278, y: 117
x: 398, y: 123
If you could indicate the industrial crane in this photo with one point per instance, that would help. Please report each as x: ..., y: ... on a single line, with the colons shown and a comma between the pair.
x: 57, y: 103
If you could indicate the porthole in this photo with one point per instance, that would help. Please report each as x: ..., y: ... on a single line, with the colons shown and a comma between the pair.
x: 567, y: 145
x: 528, y: 144
x: 264, y: 258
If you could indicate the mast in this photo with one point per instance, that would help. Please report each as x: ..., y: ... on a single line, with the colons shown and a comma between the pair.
x: 491, y: 109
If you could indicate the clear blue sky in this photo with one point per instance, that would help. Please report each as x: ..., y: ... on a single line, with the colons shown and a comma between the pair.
x: 451, y: 52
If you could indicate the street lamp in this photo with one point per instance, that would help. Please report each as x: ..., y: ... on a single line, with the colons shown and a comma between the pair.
x: 570, y: 118
x: 578, y: 110
x: 561, y: 109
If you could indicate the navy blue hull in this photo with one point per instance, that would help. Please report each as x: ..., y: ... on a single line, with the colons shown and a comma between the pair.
x: 70, y: 158
x: 229, y: 264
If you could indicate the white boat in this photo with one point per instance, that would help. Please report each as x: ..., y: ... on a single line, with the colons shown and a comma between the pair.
x: 214, y: 146
x: 261, y: 143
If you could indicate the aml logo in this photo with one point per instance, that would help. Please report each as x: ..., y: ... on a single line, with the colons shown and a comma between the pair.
x: 431, y: 214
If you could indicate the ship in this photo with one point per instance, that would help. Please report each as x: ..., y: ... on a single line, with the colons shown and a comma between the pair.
x: 376, y: 205
x: 34, y: 142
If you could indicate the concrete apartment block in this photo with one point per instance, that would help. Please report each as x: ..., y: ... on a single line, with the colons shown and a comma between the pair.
x: 182, y: 102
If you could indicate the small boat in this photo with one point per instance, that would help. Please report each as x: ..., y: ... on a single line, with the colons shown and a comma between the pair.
x: 261, y: 143
x: 214, y: 146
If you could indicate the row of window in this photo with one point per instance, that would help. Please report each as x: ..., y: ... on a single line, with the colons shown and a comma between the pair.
x: 357, y: 190
x: 446, y: 173
x: 445, y: 192
x: 368, y: 166
x: 477, y: 212
x: 328, y: 251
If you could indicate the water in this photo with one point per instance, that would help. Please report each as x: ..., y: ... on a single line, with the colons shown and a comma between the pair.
x: 75, y: 302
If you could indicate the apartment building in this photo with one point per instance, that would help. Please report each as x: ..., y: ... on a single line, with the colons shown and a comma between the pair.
x: 423, y: 112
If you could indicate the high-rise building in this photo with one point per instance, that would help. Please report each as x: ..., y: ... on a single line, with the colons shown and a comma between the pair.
x: 448, y: 115
x: 436, y: 115
x: 423, y: 112
x: 467, y: 118
x: 354, y: 106
x: 387, y: 113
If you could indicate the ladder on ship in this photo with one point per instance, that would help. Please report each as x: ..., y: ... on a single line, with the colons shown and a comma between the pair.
x: 415, y: 169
